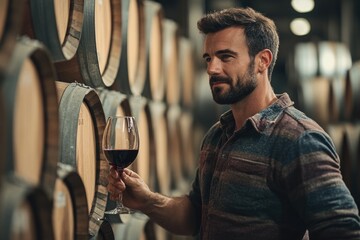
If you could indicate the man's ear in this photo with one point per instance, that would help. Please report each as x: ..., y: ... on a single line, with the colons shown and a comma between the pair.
x: 264, y: 59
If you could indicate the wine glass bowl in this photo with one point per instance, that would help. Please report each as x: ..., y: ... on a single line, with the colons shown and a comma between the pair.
x: 120, y: 145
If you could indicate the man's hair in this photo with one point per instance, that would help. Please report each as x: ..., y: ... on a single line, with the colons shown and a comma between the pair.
x: 260, y: 31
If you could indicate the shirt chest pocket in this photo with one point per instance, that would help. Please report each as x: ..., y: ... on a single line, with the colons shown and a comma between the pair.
x: 242, y: 185
x: 240, y: 166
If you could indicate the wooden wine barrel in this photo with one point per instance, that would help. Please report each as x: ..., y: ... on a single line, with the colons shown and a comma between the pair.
x: 353, y: 92
x: 337, y: 96
x: 187, y: 73
x: 82, y: 122
x: 57, y: 24
x: 114, y: 103
x: 175, y: 157
x: 131, y: 75
x: 32, y: 123
x: 11, y: 19
x: 25, y: 211
x: 171, y: 61
x: 145, y: 163
x: 159, y: 126
x: 96, y: 62
x: 314, y: 99
x: 155, y: 82
x: 70, y: 209
x: 188, y: 143
x: 305, y: 61
x: 324, y: 59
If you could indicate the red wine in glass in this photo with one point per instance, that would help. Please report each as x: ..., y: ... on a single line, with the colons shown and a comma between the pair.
x: 120, y: 145
x: 120, y: 158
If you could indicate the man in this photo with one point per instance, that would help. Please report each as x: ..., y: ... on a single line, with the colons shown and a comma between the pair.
x: 266, y: 171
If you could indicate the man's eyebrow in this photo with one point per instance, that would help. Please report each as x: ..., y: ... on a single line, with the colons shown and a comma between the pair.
x: 205, y: 55
x: 223, y: 51
x: 226, y: 51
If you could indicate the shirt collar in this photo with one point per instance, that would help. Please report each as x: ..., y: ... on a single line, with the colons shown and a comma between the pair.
x: 261, y: 120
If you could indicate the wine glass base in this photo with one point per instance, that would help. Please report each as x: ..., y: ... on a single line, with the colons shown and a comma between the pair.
x: 119, y: 211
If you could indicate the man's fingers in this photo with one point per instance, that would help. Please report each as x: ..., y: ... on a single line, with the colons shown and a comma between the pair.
x: 114, y: 173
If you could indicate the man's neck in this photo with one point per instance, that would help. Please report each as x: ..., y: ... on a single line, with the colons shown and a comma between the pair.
x: 262, y: 97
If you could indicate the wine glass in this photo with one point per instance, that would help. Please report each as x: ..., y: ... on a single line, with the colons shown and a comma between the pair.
x: 120, y: 145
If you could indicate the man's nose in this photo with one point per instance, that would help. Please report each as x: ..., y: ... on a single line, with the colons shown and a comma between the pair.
x: 214, y: 67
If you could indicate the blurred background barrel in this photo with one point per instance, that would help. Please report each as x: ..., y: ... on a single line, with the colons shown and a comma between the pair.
x: 82, y: 122
x: 323, y: 58
x: 187, y: 73
x: 171, y: 61
x: 131, y: 76
x: 57, y: 24
x: 145, y: 164
x: 11, y: 19
x: 353, y: 92
x: 31, y: 115
x: 314, y: 98
x: 155, y: 81
x: 159, y: 124
x: 175, y: 153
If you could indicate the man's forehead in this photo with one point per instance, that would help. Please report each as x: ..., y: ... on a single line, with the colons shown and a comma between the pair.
x: 227, y: 38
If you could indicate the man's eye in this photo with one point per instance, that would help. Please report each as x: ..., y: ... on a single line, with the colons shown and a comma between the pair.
x: 207, y: 59
x: 225, y: 57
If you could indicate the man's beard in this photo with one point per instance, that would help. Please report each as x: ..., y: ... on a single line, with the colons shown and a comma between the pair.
x: 244, y: 86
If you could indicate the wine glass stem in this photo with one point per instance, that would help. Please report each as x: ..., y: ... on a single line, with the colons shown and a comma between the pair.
x: 119, y: 204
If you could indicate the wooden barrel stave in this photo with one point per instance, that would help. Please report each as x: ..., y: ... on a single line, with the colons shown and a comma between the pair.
x: 70, y: 209
x: 171, y: 61
x: 314, y: 98
x: 159, y: 125
x: 187, y: 78
x: 145, y: 164
x: 175, y: 156
x: 130, y: 79
x: 155, y: 82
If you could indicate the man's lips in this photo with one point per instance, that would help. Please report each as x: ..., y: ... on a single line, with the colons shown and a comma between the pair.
x: 217, y: 83
x: 218, y: 80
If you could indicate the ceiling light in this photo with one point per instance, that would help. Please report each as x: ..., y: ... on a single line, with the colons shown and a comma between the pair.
x: 303, y: 6
x: 300, y: 26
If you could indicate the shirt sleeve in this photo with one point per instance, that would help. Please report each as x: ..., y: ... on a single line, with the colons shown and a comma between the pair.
x: 315, y: 188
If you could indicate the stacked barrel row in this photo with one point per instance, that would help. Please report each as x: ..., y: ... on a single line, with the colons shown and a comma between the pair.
x: 65, y: 66
x: 327, y: 83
